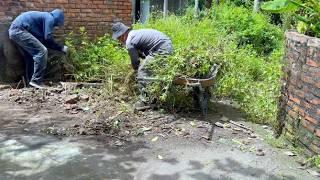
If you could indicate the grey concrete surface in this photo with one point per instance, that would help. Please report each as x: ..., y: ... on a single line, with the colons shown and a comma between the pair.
x: 26, y: 153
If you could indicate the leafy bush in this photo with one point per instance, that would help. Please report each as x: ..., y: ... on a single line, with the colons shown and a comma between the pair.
x: 98, y: 59
x: 306, y: 12
x: 250, y: 29
x: 246, y: 45
x: 244, y: 3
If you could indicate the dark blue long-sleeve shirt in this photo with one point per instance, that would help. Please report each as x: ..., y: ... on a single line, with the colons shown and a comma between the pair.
x: 41, y: 25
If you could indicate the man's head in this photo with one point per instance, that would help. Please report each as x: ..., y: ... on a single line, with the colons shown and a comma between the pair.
x: 58, y: 17
x: 120, y: 32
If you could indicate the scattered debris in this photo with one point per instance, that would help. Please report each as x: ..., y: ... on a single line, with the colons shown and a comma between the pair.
x: 227, y: 125
x: 253, y: 136
x: 118, y: 143
x: 302, y: 162
x: 72, y: 99
x: 84, y: 97
x: 143, y: 108
x: 144, y: 129
x: 193, y: 124
x: 241, y: 126
x: 313, y: 172
x: 289, y: 153
x: 3, y: 87
x: 237, y: 129
x: 79, y: 85
x: 218, y: 124
x: 155, y: 139
x: 260, y: 152
x: 82, y: 131
x: 206, y: 138
x: 85, y: 109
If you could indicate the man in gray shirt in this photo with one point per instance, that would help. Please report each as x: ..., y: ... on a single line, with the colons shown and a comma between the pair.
x: 142, y: 43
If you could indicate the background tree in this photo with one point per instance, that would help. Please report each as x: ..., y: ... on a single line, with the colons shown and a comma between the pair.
x: 256, y: 6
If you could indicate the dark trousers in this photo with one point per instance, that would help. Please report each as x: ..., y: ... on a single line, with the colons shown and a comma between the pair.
x: 36, y: 54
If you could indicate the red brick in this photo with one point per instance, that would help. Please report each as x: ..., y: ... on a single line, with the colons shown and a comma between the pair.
x: 317, y: 132
x: 296, y: 100
x: 307, y: 79
x: 312, y: 63
x: 306, y: 105
x: 315, y: 101
x: 310, y: 127
x: 292, y: 114
x: 311, y: 119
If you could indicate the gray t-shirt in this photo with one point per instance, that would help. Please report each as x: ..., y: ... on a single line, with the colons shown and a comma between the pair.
x: 148, y: 42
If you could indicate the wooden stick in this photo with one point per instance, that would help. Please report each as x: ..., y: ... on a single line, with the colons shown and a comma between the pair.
x: 24, y: 82
x: 18, y: 84
x: 241, y: 126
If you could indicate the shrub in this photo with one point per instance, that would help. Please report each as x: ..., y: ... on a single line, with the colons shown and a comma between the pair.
x: 248, y: 48
x: 98, y: 59
x: 250, y: 29
x: 306, y: 13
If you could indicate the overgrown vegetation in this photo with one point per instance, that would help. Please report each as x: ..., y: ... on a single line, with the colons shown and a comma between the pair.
x: 315, y: 161
x: 246, y: 45
x: 306, y: 13
x: 96, y: 60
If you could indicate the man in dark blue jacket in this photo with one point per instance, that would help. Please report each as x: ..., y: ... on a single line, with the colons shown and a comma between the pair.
x: 32, y: 32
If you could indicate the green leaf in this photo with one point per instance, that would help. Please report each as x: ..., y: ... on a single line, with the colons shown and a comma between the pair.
x: 279, y: 6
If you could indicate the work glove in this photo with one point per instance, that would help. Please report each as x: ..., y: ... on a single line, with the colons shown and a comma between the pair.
x: 65, y: 49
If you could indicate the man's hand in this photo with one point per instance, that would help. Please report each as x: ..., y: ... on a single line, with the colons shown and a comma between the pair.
x: 65, y: 49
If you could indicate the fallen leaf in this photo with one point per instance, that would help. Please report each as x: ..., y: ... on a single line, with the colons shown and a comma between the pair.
x: 192, y: 123
x: 144, y: 129
x: 86, y: 109
x: 289, y: 153
x: 155, y: 139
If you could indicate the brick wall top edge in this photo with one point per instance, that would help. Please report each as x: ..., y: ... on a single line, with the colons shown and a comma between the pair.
x: 313, y: 42
x: 295, y: 36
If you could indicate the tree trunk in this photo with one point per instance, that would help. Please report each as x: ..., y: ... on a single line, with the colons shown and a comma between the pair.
x: 196, y: 8
x: 165, y: 8
x: 256, y: 6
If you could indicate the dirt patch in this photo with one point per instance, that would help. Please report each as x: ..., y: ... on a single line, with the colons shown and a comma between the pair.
x: 95, y: 112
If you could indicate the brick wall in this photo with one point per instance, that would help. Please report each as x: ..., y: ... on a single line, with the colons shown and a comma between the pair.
x: 95, y: 15
x: 300, y: 99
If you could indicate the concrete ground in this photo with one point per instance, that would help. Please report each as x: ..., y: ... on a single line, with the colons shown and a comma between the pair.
x: 26, y: 153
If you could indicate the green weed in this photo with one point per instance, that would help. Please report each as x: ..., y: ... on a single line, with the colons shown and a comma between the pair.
x: 97, y: 60
x: 248, y: 48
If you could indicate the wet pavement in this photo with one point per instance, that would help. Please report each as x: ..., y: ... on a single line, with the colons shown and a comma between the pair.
x: 26, y: 153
